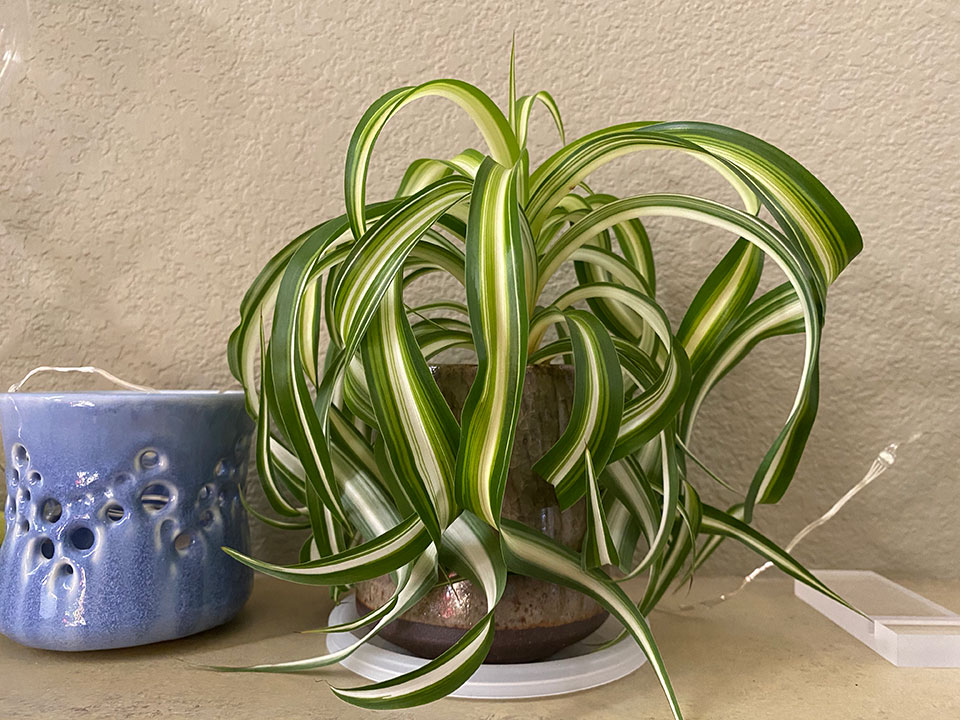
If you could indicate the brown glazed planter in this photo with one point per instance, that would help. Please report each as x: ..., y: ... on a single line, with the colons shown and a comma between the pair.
x: 534, y: 619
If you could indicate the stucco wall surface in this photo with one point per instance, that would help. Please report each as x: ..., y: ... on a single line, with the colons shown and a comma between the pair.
x: 154, y: 155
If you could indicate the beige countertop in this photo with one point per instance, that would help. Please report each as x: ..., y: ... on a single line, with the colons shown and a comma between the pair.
x: 762, y: 654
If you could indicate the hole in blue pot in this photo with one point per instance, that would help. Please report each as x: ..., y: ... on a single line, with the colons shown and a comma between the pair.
x: 148, y: 459
x: 155, y: 497
x: 14, y: 476
x: 64, y: 577
x: 24, y: 526
x: 20, y: 454
x: 222, y: 469
x: 51, y: 510
x: 206, y: 519
x: 205, y: 492
x: 25, y: 495
x: 34, y: 477
x: 183, y: 541
x: 46, y: 548
x: 82, y: 538
x: 114, y: 512
x: 226, y: 494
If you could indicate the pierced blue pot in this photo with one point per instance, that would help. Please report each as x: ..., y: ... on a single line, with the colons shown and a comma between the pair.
x: 118, y: 504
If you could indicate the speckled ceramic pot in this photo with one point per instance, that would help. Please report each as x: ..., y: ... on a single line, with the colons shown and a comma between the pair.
x: 117, y: 506
x: 534, y: 619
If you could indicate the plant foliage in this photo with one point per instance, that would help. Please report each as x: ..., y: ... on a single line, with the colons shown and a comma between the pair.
x: 356, y: 442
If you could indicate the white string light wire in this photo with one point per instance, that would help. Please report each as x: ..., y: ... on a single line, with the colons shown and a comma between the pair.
x: 884, y: 460
x: 81, y: 369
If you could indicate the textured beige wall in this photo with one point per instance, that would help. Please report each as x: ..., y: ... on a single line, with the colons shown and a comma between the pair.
x: 152, y: 158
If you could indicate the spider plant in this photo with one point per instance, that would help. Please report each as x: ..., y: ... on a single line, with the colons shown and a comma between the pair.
x: 356, y: 443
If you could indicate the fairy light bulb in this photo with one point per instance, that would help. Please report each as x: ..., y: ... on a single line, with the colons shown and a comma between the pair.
x: 888, y: 456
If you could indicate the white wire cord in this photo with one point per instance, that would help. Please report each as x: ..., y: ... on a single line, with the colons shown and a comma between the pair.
x: 884, y: 460
x: 88, y: 369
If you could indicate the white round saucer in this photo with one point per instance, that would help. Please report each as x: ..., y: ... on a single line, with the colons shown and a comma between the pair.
x: 578, y: 667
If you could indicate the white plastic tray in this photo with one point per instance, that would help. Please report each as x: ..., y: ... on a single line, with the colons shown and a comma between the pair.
x: 578, y: 667
x: 904, y: 627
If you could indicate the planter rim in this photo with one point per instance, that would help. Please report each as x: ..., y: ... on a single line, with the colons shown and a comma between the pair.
x: 529, y: 366
x: 112, y: 396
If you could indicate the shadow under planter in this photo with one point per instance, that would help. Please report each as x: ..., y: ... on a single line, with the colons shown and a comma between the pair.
x: 534, y: 619
x: 118, y: 504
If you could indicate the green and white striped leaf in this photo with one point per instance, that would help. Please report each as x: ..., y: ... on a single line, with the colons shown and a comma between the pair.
x: 437, y: 679
x: 720, y: 301
x: 264, y: 457
x: 496, y: 297
x: 596, y: 264
x: 635, y: 500
x: 415, y: 583
x: 829, y: 236
x: 435, y: 254
x: 707, y: 548
x: 272, y: 522
x: 329, y: 535
x: 626, y: 488
x: 356, y: 394
x: 434, y: 340
x: 535, y: 555
x: 780, y: 462
x: 472, y: 549
x: 379, y: 254
x: 419, y: 432
x: 293, y: 405
x: 481, y: 109
x: 380, y: 556
x: 525, y: 106
x: 572, y: 164
x: 623, y: 529
x: 595, y: 419
x: 599, y: 545
x: 243, y: 343
x: 644, y: 416
x: 717, y: 522
x: 426, y: 171
x: 777, y: 312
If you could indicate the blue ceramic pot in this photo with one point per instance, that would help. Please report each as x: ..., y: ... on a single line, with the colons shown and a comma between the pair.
x: 118, y: 504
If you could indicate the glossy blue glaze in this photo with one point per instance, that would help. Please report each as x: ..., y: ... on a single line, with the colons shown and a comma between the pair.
x: 118, y: 504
